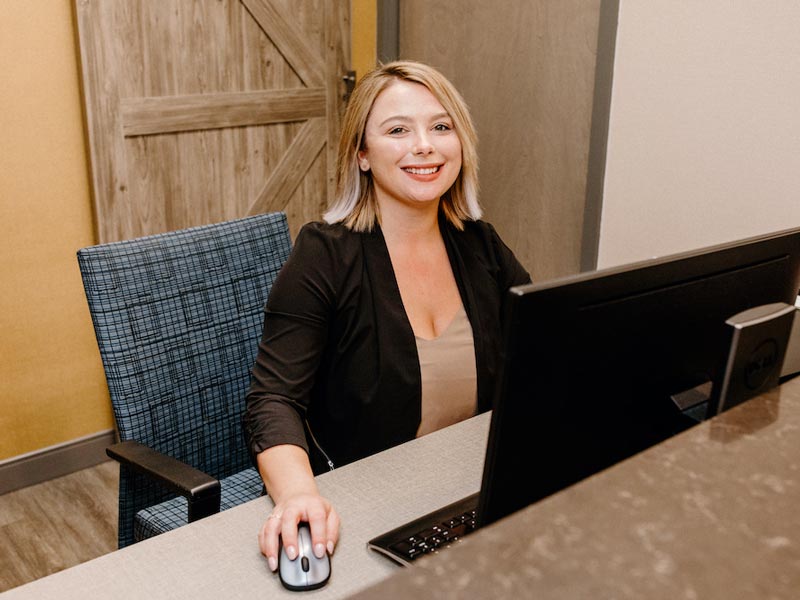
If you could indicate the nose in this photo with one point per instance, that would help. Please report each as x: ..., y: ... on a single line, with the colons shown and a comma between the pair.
x: 422, y: 145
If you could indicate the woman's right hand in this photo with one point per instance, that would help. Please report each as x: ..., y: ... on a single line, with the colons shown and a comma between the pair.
x: 282, y: 523
x: 290, y: 483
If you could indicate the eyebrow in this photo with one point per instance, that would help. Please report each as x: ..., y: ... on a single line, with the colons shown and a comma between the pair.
x: 436, y: 117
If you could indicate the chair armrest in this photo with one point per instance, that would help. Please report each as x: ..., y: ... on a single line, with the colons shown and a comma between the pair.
x: 201, y: 491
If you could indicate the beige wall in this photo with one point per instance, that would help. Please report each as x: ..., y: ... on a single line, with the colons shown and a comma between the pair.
x: 704, y: 131
x: 52, y: 388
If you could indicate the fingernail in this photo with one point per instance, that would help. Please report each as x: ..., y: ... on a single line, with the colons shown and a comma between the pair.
x: 291, y: 552
x: 319, y: 550
x: 330, y: 547
x: 273, y: 563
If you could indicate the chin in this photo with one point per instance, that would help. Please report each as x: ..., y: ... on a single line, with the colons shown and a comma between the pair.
x: 426, y: 201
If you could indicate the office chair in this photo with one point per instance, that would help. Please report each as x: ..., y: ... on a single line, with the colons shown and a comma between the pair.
x: 177, y: 317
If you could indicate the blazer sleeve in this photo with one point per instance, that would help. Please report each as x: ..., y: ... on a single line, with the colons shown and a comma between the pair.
x: 511, y: 272
x: 296, y: 325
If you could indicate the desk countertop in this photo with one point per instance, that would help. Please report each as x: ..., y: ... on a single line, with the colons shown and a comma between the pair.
x: 711, y: 513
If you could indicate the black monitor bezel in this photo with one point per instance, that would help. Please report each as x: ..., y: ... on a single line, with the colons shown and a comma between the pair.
x: 506, y: 483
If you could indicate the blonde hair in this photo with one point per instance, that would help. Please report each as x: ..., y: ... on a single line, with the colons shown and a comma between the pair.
x: 355, y: 204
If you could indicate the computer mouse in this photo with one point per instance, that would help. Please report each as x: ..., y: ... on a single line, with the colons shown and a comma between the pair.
x: 306, y: 572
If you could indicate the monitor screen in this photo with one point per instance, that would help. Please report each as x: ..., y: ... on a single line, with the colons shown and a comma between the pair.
x: 591, y: 362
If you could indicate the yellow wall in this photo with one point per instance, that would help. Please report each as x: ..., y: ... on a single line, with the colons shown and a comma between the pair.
x: 364, y: 23
x: 52, y: 388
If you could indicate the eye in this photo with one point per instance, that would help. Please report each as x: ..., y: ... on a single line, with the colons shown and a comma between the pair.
x: 442, y: 127
x: 397, y: 130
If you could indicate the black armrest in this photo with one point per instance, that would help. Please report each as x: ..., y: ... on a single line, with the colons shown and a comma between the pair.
x: 201, y: 491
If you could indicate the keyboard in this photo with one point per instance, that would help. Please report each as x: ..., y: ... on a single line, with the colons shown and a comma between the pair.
x: 429, y: 533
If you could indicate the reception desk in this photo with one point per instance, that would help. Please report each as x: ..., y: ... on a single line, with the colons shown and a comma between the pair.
x: 711, y: 513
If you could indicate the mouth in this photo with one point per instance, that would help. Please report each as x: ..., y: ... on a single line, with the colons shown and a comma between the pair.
x: 422, y: 170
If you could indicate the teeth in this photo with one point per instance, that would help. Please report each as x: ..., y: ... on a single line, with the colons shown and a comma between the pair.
x: 417, y: 171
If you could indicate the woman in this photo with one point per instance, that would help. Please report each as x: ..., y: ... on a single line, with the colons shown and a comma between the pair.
x: 384, y: 324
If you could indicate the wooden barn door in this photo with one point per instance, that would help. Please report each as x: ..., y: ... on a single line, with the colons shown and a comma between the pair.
x: 201, y: 111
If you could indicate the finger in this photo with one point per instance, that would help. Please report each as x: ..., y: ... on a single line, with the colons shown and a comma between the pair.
x: 289, y: 533
x: 333, y: 530
x: 318, y: 523
x: 268, y: 539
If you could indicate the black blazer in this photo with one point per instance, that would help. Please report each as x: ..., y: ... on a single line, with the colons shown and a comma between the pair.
x: 338, y: 356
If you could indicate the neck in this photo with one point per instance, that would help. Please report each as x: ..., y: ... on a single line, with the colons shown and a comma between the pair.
x: 409, y: 223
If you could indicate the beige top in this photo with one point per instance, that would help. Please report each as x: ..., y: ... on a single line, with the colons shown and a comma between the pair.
x: 449, y: 376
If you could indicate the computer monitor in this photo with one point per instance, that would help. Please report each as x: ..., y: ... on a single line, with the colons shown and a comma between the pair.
x: 592, y: 361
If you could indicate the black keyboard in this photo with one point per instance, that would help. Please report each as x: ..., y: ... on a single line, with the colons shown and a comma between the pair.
x: 429, y: 533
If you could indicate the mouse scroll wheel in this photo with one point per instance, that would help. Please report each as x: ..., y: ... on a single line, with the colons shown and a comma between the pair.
x: 304, y: 564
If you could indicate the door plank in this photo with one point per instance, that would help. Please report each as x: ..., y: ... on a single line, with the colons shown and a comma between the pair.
x: 107, y: 150
x: 169, y: 114
x: 337, y: 61
x: 299, y: 157
x: 289, y: 41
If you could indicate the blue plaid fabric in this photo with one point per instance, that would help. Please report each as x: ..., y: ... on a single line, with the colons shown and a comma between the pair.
x: 177, y: 317
x: 236, y: 489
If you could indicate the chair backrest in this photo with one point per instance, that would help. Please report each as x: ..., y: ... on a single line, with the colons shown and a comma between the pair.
x: 177, y: 318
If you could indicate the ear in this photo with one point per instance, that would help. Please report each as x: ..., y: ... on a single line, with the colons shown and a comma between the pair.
x: 363, y: 161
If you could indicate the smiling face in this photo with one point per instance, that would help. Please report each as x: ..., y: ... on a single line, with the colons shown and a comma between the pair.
x: 410, y: 146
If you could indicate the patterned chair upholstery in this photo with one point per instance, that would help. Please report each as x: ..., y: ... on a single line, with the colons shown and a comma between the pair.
x: 177, y: 318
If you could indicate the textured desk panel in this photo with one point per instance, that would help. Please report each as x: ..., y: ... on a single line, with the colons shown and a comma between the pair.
x: 218, y: 557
